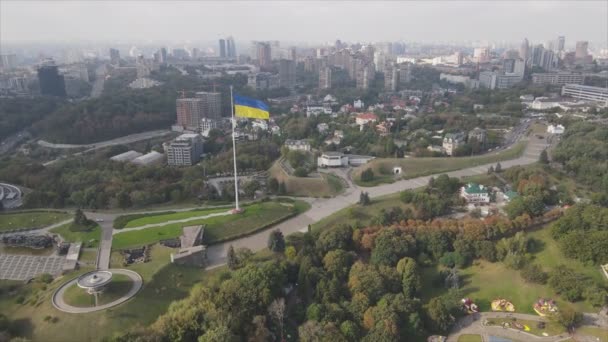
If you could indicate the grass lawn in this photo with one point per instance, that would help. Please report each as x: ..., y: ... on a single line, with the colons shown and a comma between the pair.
x: 152, y: 219
x: 469, y: 338
x: 25, y: 251
x: 601, y: 334
x: 88, y: 256
x: 163, y: 283
x: 219, y: 228
x: 324, y: 186
x: 360, y: 216
x: 120, y: 285
x: 551, y: 328
x: 417, y: 167
x: 89, y: 238
x: 31, y: 219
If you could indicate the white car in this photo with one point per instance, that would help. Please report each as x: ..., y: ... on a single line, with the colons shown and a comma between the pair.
x: 98, y: 220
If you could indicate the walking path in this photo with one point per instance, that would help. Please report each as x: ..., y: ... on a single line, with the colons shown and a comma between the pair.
x: 151, y: 225
x: 61, y: 305
x: 40, y: 230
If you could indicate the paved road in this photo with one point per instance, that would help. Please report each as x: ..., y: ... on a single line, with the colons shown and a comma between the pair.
x: 322, y: 207
x: 61, y: 305
x: 472, y: 324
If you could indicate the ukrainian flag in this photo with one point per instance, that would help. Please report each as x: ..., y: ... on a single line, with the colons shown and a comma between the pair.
x: 246, y: 107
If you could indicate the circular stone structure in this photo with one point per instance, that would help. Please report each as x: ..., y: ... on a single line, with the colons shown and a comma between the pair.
x: 61, y: 305
x: 95, y: 281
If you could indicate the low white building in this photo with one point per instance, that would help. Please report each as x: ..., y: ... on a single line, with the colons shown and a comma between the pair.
x: 297, y: 145
x: 260, y: 124
x: 339, y: 159
x: 475, y: 193
x: 555, y: 129
x: 317, y: 110
x: 543, y: 103
x: 125, y: 157
x: 365, y: 118
x: 358, y: 104
x: 322, y: 127
x: 149, y: 159
x: 452, y: 141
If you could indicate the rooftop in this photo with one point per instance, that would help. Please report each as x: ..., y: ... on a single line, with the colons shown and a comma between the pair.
x: 474, y: 188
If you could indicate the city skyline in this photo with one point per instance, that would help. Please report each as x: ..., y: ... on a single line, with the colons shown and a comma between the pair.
x: 437, y: 21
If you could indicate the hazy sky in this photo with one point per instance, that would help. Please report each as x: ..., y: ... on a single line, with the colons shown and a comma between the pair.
x: 304, y: 20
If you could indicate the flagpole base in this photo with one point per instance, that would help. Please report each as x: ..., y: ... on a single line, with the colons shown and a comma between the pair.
x: 237, y: 211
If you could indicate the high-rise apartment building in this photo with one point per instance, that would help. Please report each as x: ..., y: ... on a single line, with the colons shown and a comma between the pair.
x: 51, y: 82
x: 230, y: 48
x: 264, y: 56
x: 524, y: 50
x: 391, y: 78
x: 287, y: 73
x: 561, y: 42
x: 189, y: 113
x: 212, y: 104
x: 114, y: 56
x: 482, y: 54
x: 581, y: 49
x: 515, y: 66
x: 163, y: 55
x: 325, y: 78
x: 222, y: 48
x: 292, y: 53
x: 185, y: 150
x: 364, y: 73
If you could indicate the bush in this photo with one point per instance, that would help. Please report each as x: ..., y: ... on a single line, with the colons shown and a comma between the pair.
x: 46, y: 278
x: 534, y: 274
x: 300, y: 172
x: 367, y: 175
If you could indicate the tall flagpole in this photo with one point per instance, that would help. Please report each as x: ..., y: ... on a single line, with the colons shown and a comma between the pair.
x: 236, y: 182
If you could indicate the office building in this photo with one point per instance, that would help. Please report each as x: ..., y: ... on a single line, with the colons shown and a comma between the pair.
x: 185, y: 150
x: 51, y: 82
x: 561, y: 42
x: 515, y: 66
x: 581, y: 49
x: 325, y: 78
x: 577, y: 91
x: 287, y: 73
x: 558, y: 78
x: 468, y: 82
x: 230, y: 48
x: 264, y: 56
x: 212, y: 105
x: 8, y: 60
x: 114, y: 56
x: 222, y: 48
x: 189, y: 113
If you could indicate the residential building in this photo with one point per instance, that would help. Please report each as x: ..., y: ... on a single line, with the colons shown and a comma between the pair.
x: 581, y: 49
x: 208, y: 124
x: 596, y: 94
x: 487, y: 79
x: 365, y: 74
x: 358, y: 104
x: 114, y: 57
x: 297, y: 145
x: 514, y: 67
x: 292, y: 53
x: 479, y: 134
x: 559, y: 78
x: 555, y: 129
x: 212, y: 104
x: 264, y: 56
x: 468, y: 82
x: 144, y: 83
x: 322, y: 127
x: 259, y: 125
x: 451, y: 142
x: 524, y: 50
x: 495, y: 80
x: 263, y: 81
x: 391, y: 78
x: 185, y: 150
x: 561, y: 42
x: 8, y: 60
x: 51, y: 82
x: 287, y: 73
x: 325, y: 78
x: 316, y: 110
x: 18, y: 84
x: 189, y: 113
x: 482, y: 54
x: 475, y: 193
x: 365, y: 118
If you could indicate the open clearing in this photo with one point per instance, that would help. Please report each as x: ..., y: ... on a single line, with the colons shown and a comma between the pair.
x: 31, y: 219
x: 324, y: 186
x: 417, y: 167
x: 220, y: 228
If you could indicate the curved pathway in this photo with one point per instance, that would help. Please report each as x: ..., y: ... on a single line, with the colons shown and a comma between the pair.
x: 61, y: 305
x: 151, y: 225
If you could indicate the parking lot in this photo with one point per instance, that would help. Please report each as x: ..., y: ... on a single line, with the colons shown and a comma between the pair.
x: 24, y: 267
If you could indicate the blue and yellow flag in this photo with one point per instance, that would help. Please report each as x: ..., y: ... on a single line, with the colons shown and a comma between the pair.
x: 246, y: 107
